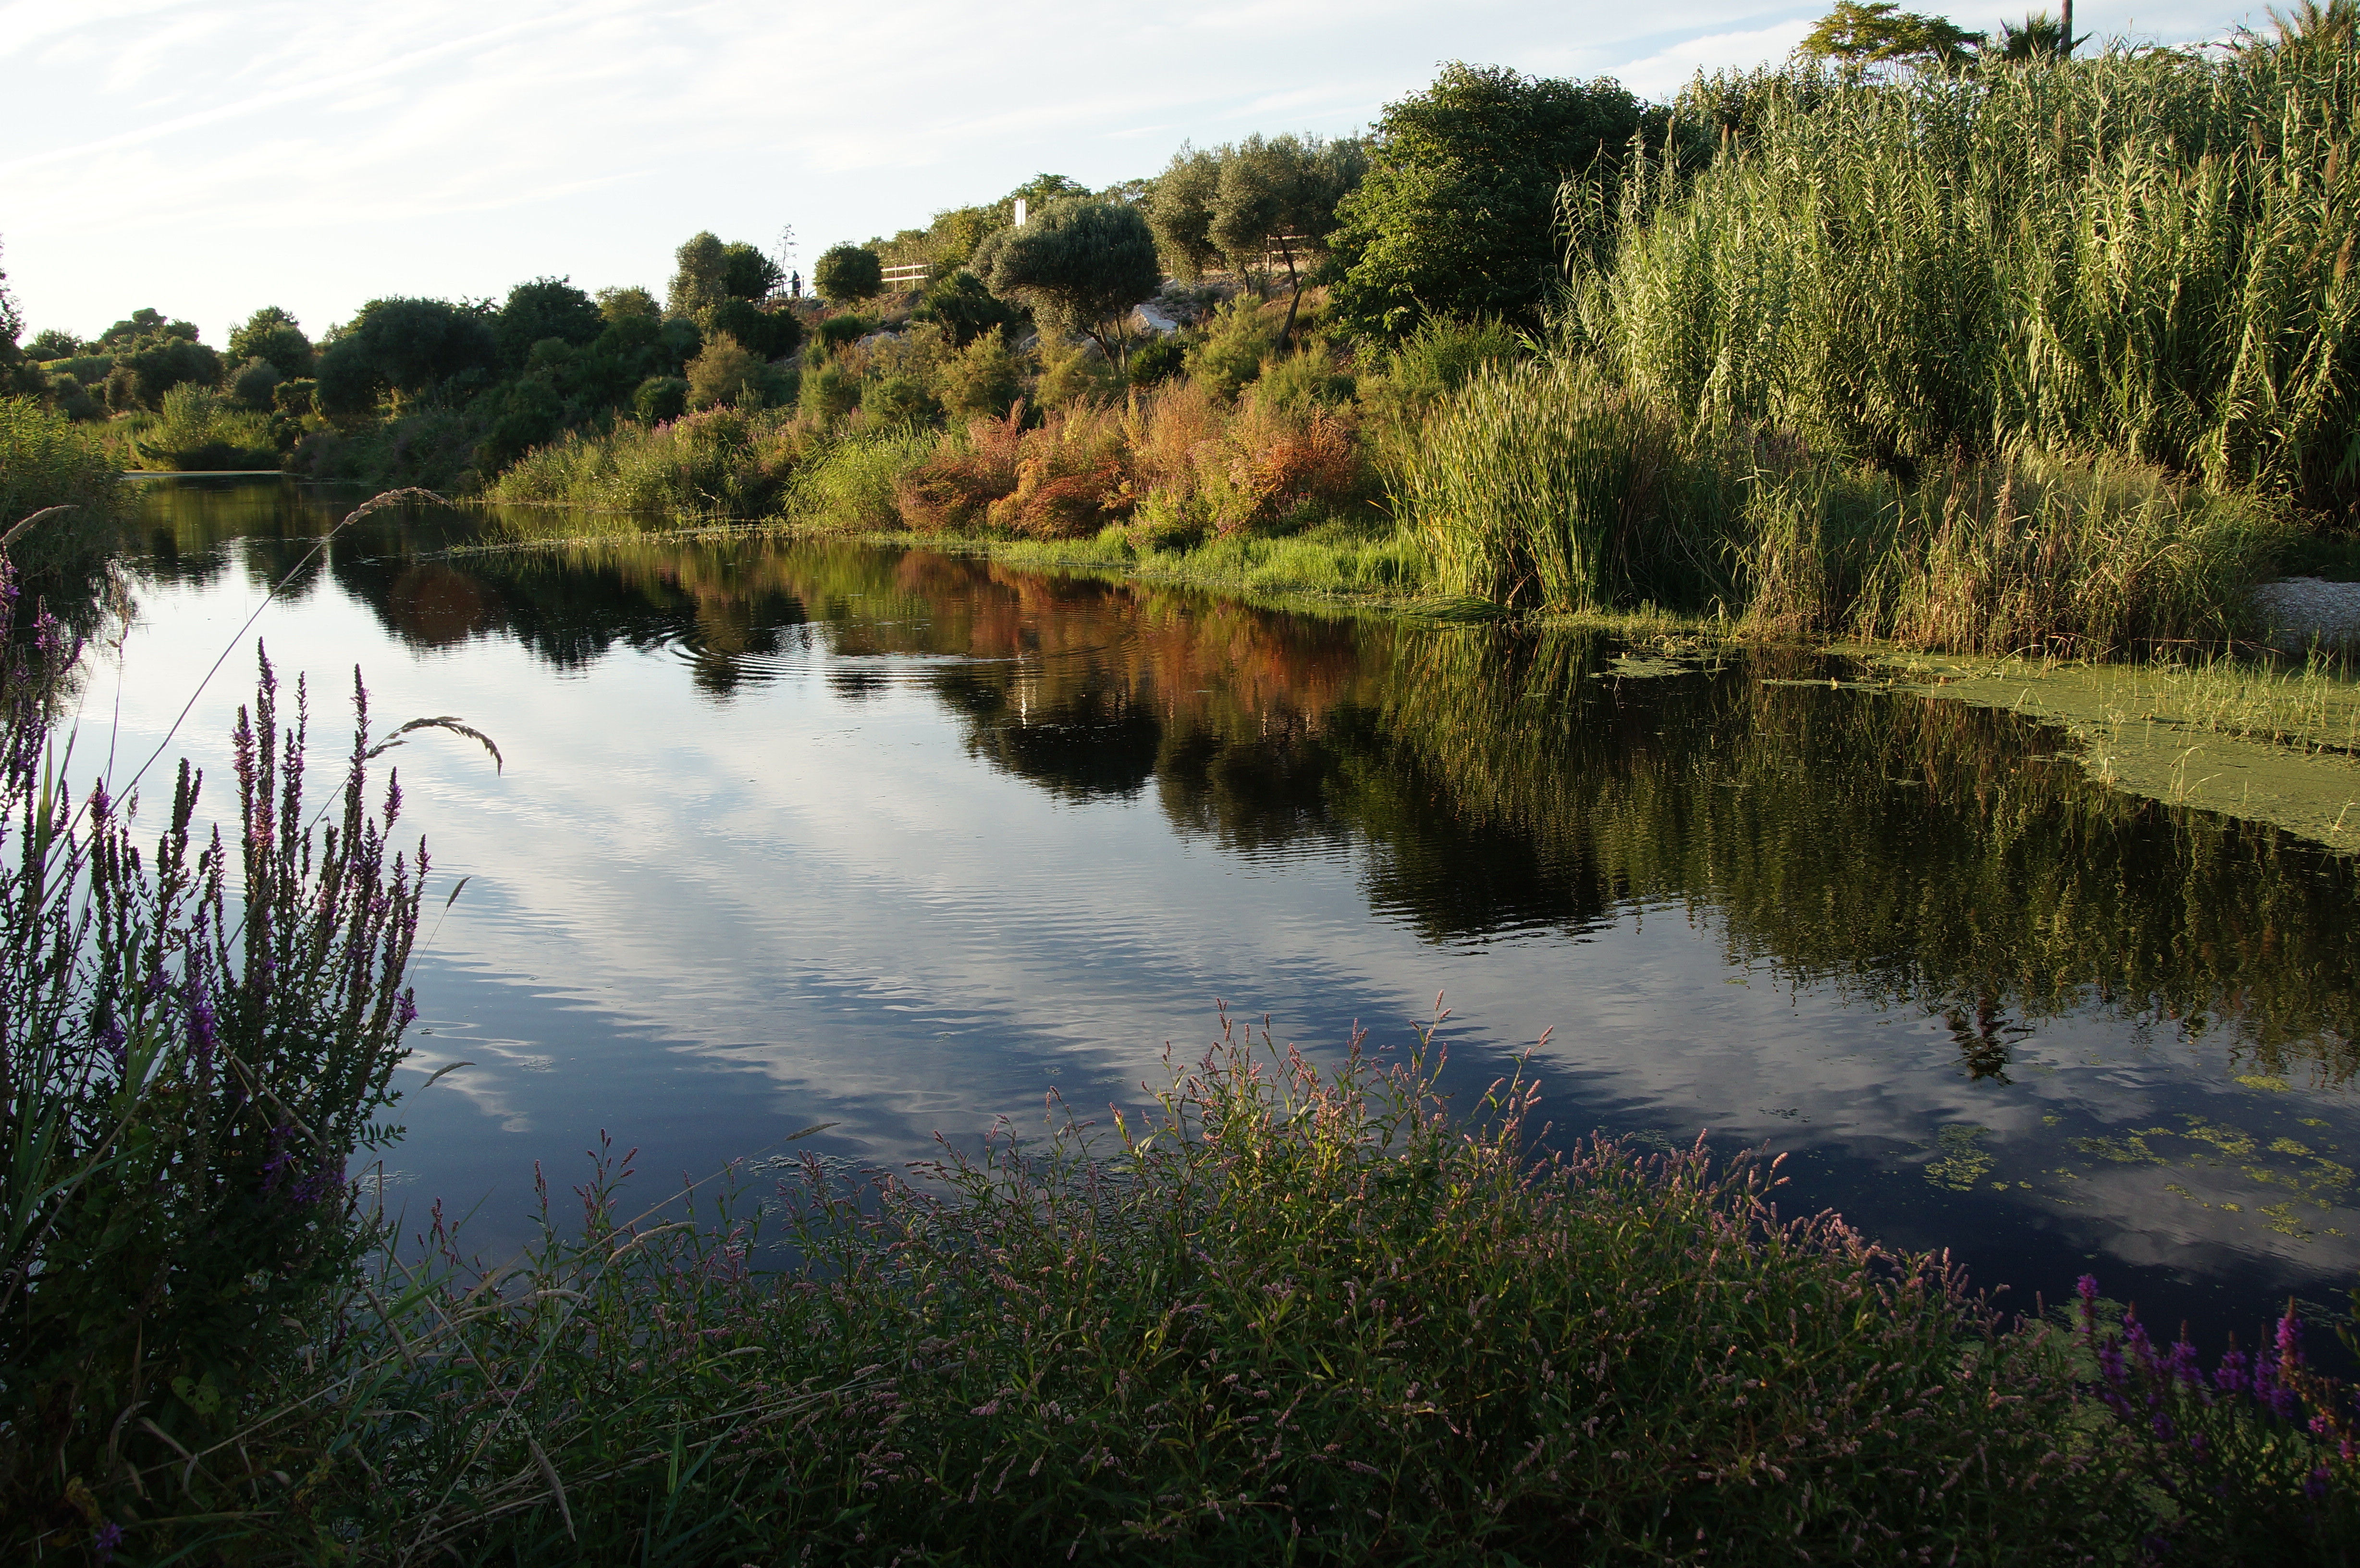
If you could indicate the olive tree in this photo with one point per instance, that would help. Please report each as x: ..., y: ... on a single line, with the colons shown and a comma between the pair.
x: 1079, y: 265
x: 1278, y: 197
x: 1179, y: 210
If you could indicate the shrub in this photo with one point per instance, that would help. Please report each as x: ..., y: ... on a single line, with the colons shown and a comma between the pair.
x: 255, y: 384
x: 724, y: 373
x: 660, y: 397
x: 1237, y: 341
x: 1156, y: 360
x: 985, y: 380
x: 954, y: 488
x: 901, y: 401
x: 829, y: 391
x: 1076, y: 374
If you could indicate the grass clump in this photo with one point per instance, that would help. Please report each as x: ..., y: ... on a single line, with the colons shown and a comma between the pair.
x: 198, y: 429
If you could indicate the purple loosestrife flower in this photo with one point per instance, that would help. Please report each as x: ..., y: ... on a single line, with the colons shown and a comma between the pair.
x: 275, y: 1165
x: 117, y: 1045
x: 2314, y: 1486
x: 204, y: 1033
x: 2231, y: 1376
x: 392, y: 795
x: 405, y: 1011
x: 106, y: 1539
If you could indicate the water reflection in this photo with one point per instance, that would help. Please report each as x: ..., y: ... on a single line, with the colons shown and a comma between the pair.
x: 1993, y: 1002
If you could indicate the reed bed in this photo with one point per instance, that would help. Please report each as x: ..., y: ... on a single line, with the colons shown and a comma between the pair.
x: 1552, y: 487
x: 47, y: 460
x: 2144, y: 253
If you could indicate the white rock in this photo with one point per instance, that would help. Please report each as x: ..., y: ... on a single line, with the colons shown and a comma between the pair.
x: 1148, y: 318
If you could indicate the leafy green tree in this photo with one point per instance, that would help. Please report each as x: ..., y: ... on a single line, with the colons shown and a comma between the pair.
x: 660, y: 397
x: 54, y: 343
x: 545, y: 308
x: 272, y: 334
x: 1080, y: 265
x: 621, y: 304
x: 12, y: 318
x: 529, y: 412
x: 1879, y: 32
x: 772, y: 334
x: 848, y: 274
x: 144, y: 326
x: 1456, y: 214
x: 1179, y: 210
x: 159, y: 363
x: 707, y: 272
x: 406, y: 346
x: 253, y: 383
x: 1041, y: 191
x: 1278, y: 197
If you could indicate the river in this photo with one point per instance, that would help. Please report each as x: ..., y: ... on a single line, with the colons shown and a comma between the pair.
x: 793, y: 833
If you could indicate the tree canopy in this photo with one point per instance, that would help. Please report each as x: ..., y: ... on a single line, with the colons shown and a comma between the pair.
x: 1879, y: 32
x: 848, y: 274
x: 1456, y: 214
x: 708, y: 271
x: 404, y: 346
x: 1078, y: 266
x: 1259, y: 204
x: 272, y: 335
x: 544, y: 308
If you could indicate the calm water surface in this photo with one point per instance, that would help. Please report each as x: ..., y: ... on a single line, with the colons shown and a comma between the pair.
x: 801, y: 833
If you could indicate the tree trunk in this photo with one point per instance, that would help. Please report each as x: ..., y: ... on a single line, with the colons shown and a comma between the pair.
x: 1294, y: 299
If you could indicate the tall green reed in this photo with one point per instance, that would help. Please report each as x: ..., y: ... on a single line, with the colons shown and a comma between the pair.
x: 2147, y: 253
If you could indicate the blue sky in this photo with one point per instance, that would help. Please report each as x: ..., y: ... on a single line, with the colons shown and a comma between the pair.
x: 210, y: 157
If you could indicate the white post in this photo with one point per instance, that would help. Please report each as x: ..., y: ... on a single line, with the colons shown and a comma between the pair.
x: 1020, y: 211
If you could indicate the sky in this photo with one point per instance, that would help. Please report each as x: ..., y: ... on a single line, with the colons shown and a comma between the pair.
x: 207, y: 157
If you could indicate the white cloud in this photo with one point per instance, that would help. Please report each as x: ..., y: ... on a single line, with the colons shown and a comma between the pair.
x: 208, y: 156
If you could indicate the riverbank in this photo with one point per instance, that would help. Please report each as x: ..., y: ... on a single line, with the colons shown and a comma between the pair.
x: 1287, y: 1314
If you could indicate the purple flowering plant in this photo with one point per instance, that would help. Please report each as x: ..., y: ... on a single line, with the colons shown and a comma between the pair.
x: 196, y: 1035
x: 2257, y: 1459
